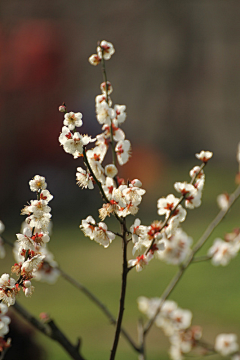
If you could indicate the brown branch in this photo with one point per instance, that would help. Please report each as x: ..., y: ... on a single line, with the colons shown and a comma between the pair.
x: 141, y: 340
x: 51, y: 330
x: 123, y: 295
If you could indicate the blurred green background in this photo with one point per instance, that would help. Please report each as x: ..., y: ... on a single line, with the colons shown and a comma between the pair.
x: 211, y: 293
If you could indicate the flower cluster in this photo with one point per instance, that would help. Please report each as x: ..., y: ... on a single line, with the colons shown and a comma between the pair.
x: 30, y: 247
x: 97, y: 232
x: 121, y: 198
x: 104, y: 51
x: 175, y: 323
x: 4, y: 329
x: 165, y: 238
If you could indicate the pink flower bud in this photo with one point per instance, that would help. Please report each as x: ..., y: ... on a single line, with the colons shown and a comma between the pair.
x: 62, y: 108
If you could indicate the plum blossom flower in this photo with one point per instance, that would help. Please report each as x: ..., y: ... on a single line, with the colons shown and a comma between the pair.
x: 177, y: 247
x: 106, y: 210
x: 97, y: 153
x: 88, y: 226
x: 111, y: 170
x: 8, y: 289
x: 46, y: 196
x: 99, y: 99
x: 84, y: 179
x: 167, y: 206
x: 140, y: 262
x: 226, y: 344
x: 123, y: 149
x: 31, y: 265
x: 148, y: 306
x: 196, y: 171
x: 204, y: 156
x: 137, y: 230
x: 40, y: 216
x: 37, y: 183
x: 136, y: 183
x: 102, y: 235
x: 73, y: 143
x: 105, y: 50
x: 222, y: 252
x: 191, y: 194
x: 98, y: 233
x: 48, y: 270
x: 4, y: 322
x: 133, y: 194
x: 95, y: 160
x: 104, y: 113
x: 108, y: 187
x: 120, y: 114
x: 94, y: 59
x: 223, y: 201
x: 181, y: 318
x: 72, y: 120
x: 117, y: 133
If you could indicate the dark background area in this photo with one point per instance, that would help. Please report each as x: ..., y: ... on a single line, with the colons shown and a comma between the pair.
x: 176, y: 68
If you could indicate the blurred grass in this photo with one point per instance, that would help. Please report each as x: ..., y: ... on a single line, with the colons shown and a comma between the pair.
x: 211, y: 293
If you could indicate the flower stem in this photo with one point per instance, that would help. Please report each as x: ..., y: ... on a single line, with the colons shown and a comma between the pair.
x: 107, y: 100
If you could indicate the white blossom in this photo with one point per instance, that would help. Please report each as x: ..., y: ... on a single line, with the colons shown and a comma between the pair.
x: 223, y: 201
x: 72, y: 120
x: 123, y: 149
x: 222, y: 252
x: 204, y: 156
x: 37, y: 183
x: 84, y: 179
x: 94, y: 59
x: 102, y: 235
x: 105, y: 50
x: 8, y: 289
x: 226, y: 344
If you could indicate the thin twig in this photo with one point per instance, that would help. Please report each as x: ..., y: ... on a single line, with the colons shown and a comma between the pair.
x: 107, y: 100
x: 141, y: 340
x: 201, y: 258
x: 51, y: 330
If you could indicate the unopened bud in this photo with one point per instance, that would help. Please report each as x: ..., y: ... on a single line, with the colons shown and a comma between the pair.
x: 62, y: 108
x: 136, y: 183
x: 44, y: 316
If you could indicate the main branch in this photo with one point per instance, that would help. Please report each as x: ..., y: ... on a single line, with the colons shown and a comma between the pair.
x: 123, y: 294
